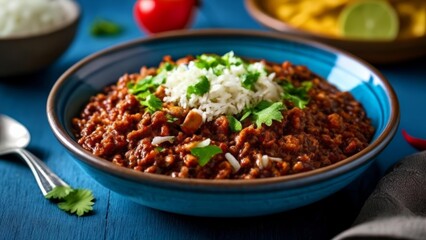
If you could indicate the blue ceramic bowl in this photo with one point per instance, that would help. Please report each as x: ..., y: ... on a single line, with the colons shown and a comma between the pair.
x: 228, y: 198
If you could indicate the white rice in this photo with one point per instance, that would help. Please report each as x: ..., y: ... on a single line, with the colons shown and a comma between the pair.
x: 159, y: 139
x: 23, y: 17
x: 233, y: 161
x: 226, y: 96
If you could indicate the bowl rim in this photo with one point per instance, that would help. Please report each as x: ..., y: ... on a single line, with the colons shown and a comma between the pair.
x: 69, y: 23
x: 239, y: 185
x: 256, y: 11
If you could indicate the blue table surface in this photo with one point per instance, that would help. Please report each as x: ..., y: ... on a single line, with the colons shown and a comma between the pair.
x: 25, y: 214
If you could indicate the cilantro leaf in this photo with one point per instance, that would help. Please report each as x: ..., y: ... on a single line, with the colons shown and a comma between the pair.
x: 296, y: 100
x: 147, y: 84
x: 143, y: 90
x: 142, y: 85
x: 297, y: 95
x: 230, y: 59
x: 171, y: 119
x: 267, y: 115
x: 208, y: 61
x: 103, y: 27
x: 204, y: 154
x: 152, y: 102
x: 200, y: 88
x: 218, y: 63
x: 143, y: 95
x: 165, y: 67
x: 249, y: 79
x: 262, y: 105
x: 79, y: 201
x: 59, y: 192
x: 246, y: 114
x: 234, y: 124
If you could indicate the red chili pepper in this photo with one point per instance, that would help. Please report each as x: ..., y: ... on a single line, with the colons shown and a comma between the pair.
x: 418, y: 143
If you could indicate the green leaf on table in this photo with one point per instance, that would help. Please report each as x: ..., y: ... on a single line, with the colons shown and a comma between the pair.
x: 79, y: 202
x: 59, y: 192
x: 103, y: 27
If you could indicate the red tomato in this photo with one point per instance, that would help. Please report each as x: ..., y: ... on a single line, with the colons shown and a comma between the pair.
x: 163, y: 15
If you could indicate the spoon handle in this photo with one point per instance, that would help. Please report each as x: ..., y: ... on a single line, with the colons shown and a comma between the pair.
x: 45, y: 178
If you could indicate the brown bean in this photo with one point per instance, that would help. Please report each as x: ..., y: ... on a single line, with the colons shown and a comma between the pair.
x: 192, y: 122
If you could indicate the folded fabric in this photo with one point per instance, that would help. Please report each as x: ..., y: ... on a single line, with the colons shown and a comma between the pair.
x: 397, y: 207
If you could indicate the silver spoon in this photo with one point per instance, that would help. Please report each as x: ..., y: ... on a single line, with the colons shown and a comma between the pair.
x: 14, y: 137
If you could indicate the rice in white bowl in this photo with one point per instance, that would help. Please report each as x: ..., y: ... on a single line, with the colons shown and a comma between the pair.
x: 26, y: 17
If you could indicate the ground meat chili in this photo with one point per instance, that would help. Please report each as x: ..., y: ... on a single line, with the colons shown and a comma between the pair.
x: 328, y: 128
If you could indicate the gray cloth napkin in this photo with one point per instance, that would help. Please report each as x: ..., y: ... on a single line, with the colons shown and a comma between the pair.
x: 397, y: 207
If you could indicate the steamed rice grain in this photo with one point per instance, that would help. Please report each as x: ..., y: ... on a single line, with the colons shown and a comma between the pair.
x: 23, y: 17
x: 226, y: 96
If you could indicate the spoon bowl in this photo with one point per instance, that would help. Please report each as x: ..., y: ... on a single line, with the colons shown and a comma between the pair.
x: 12, y: 134
x: 14, y: 137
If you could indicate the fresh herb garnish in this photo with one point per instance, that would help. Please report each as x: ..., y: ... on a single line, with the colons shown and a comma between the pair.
x: 249, y: 79
x: 166, y: 67
x: 208, y: 61
x: 159, y: 149
x: 234, y: 124
x: 148, y: 84
x: 264, y: 113
x: 204, y: 154
x: 74, y: 201
x: 79, y: 201
x: 152, y: 102
x: 200, y: 88
x: 215, y: 61
x: 262, y: 105
x: 143, y: 90
x: 103, y: 27
x: 59, y: 192
x: 267, y: 115
x: 171, y: 119
x: 219, y: 63
x: 297, y: 95
x: 246, y: 113
x: 230, y: 59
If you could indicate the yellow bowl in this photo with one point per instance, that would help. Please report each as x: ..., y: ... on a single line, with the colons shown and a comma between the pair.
x: 372, y: 51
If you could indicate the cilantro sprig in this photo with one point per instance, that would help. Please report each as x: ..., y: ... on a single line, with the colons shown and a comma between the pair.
x: 249, y: 79
x: 144, y: 88
x: 206, y: 153
x: 74, y: 201
x: 268, y: 114
x: 104, y: 27
x: 297, y: 95
x: 200, y: 88
x: 264, y: 112
x: 234, y: 124
x: 152, y: 103
x: 219, y: 63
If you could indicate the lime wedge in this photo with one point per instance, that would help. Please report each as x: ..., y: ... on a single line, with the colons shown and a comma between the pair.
x: 369, y: 20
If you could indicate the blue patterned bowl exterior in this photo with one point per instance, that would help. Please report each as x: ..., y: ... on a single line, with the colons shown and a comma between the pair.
x: 223, y: 198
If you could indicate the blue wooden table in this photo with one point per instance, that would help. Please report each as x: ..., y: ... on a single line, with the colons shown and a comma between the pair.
x: 25, y: 214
